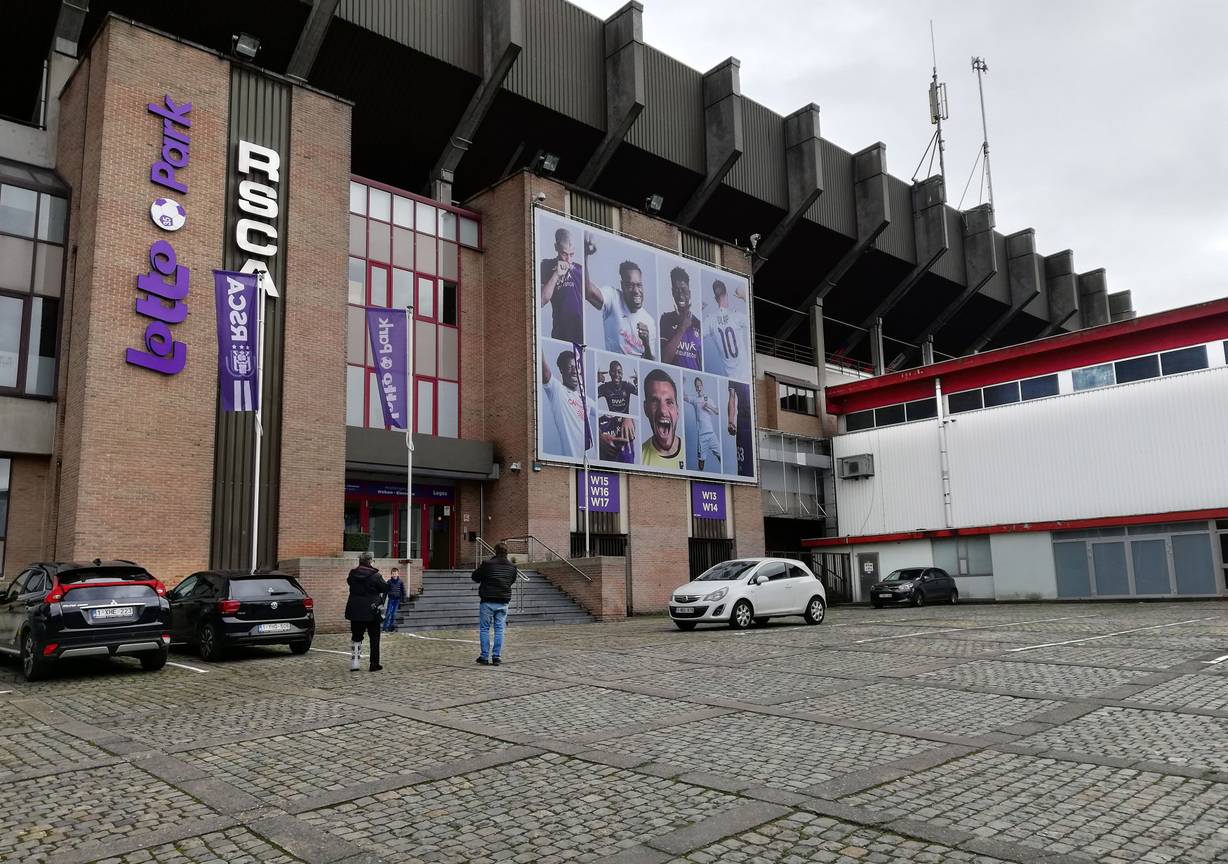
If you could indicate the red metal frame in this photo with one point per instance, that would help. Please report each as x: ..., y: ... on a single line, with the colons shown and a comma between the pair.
x: 397, y: 504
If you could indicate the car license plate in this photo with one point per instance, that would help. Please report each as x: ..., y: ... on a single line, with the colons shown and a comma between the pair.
x: 275, y: 628
x: 111, y: 612
x: 682, y: 611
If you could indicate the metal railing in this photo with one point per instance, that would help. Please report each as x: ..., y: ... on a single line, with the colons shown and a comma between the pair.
x: 482, y: 550
x: 544, y: 553
x: 798, y: 353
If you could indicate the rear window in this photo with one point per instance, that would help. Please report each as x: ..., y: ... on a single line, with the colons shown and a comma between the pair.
x: 107, y: 593
x: 102, y: 574
x: 258, y: 589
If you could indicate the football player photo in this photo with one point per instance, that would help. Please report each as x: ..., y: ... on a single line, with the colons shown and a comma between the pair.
x: 662, y: 408
x: 703, y: 419
x: 616, y: 439
x: 560, y: 283
x: 615, y: 390
x: 739, y: 430
x: 566, y: 424
x: 620, y: 288
x: 727, y: 348
x: 681, y: 342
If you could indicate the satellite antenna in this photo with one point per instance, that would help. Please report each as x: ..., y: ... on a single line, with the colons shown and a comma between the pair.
x: 979, y: 66
x: 938, y: 113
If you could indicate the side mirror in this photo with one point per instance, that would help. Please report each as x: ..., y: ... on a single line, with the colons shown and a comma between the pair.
x: 761, y: 578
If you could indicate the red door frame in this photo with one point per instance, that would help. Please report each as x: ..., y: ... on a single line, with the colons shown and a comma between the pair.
x: 397, y: 503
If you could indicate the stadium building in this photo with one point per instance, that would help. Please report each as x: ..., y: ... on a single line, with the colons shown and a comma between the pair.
x: 379, y: 153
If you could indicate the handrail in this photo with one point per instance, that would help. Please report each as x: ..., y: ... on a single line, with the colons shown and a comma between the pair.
x: 548, y: 548
x: 484, y: 545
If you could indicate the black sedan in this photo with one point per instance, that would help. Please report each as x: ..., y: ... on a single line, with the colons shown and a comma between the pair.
x: 219, y: 609
x: 915, y: 585
x: 55, y: 611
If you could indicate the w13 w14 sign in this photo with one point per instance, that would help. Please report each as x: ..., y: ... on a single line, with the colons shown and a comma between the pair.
x: 708, y: 500
x: 645, y: 357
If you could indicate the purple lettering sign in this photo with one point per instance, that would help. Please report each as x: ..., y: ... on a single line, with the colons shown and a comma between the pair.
x: 602, y: 491
x: 238, y: 328
x: 389, y: 329
x: 708, y: 500
x: 394, y: 490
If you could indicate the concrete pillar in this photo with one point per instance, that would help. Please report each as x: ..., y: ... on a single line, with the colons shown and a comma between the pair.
x: 311, y: 39
x: 1062, y: 286
x: 803, y: 175
x: 927, y: 351
x: 722, y: 132
x: 1023, y: 266
x: 818, y: 342
x: 624, y: 85
x: 1093, y: 298
x: 877, y: 359
x: 1121, y: 306
x: 980, y: 265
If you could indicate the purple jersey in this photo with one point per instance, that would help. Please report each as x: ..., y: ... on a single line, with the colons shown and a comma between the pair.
x: 617, y: 451
x: 617, y: 396
x: 567, y: 302
x: 745, y: 456
x: 690, y: 348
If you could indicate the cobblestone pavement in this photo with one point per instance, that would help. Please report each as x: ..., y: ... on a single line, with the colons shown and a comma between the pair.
x: 941, y: 734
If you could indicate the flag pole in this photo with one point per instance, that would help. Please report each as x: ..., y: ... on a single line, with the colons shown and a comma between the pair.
x: 588, y: 495
x: 259, y: 411
x: 409, y: 435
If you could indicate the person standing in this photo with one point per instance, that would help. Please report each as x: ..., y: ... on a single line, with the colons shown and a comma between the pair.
x: 494, y: 577
x: 362, y: 610
x: 396, y: 593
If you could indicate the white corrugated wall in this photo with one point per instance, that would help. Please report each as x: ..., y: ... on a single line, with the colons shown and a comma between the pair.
x: 905, y: 492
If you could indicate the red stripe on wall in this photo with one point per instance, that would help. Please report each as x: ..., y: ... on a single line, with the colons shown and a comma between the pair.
x: 1023, y: 527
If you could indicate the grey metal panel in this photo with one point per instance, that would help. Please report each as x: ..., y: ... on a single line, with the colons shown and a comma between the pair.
x: 260, y: 113
x: 761, y: 170
x: 672, y: 122
x: 592, y: 209
x: 836, y: 208
x: 951, y: 265
x: 448, y: 30
x: 899, y: 238
x: 999, y: 285
x: 562, y: 65
x: 379, y: 449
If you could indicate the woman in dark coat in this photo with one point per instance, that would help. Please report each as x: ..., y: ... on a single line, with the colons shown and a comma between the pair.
x: 362, y: 610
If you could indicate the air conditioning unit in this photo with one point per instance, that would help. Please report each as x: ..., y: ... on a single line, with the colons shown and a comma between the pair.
x: 856, y: 467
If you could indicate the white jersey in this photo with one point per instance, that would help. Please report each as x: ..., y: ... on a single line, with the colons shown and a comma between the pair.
x: 568, y: 410
x: 729, y: 331
x: 703, y: 417
x: 622, y: 334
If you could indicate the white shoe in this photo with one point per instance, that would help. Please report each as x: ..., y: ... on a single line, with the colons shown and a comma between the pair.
x: 355, y: 656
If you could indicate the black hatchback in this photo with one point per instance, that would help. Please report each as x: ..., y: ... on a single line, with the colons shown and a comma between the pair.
x: 60, y: 610
x: 219, y: 609
x: 915, y: 585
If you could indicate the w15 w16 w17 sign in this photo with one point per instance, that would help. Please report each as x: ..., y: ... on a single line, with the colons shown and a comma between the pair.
x: 602, y: 491
x: 708, y: 500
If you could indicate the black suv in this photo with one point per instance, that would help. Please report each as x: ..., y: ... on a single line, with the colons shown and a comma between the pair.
x: 217, y: 609
x: 54, y: 611
x: 915, y: 585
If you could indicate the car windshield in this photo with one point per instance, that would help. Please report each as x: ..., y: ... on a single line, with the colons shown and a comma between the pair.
x: 905, y: 575
x: 726, y: 572
x: 102, y: 574
x: 259, y: 589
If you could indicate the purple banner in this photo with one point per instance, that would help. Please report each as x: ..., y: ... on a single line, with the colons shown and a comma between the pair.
x: 389, y: 332
x: 602, y: 491
x: 237, y: 332
x: 708, y: 500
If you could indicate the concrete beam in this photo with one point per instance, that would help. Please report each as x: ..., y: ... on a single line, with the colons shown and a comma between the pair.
x: 624, y: 85
x: 722, y: 132
x: 1121, y: 306
x: 818, y: 344
x: 873, y: 216
x: 980, y: 264
x: 877, y: 358
x: 68, y: 25
x: 1093, y: 298
x: 311, y: 39
x: 1023, y: 266
x: 1062, y: 286
x: 929, y: 222
x: 803, y: 175
x: 503, y: 38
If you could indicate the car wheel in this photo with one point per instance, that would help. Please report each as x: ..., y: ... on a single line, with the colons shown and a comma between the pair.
x: 209, y: 642
x: 741, y: 616
x: 300, y: 647
x: 33, y: 666
x: 917, y: 599
x: 154, y: 660
x: 685, y: 626
x: 954, y: 596
x: 878, y: 605
x: 815, y: 610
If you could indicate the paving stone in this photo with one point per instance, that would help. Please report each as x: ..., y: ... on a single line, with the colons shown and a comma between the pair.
x: 1205, y: 692
x: 852, y: 663
x: 1021, y: 676
x: 938, y: 645
x: 232, y: 846
x: 590, y: 664
x: 1099, y: 654
x: 753, y: 685
x: 236, y: 716
x: 27, y: 746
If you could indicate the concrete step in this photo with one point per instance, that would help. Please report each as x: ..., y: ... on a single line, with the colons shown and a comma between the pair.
x: 449, y: 599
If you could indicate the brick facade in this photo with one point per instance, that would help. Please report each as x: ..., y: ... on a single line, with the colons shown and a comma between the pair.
x: 26, y: 531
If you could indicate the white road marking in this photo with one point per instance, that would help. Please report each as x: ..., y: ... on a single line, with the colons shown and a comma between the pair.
x: 1211, y: 662
x: 1108, y: 635
x: 442, y: 639
x: 5, y: 691
x: 330, y: 651
x: 185, y: 666
x: 962, y: 629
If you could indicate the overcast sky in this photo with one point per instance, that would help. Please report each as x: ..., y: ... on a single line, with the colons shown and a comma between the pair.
x: 1107, y: 118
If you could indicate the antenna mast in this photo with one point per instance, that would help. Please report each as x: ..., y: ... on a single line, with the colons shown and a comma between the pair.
x: 938, y: 107
x: 979, y: 66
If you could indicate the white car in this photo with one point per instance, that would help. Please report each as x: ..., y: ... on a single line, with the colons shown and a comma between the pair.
x: 749, y: 591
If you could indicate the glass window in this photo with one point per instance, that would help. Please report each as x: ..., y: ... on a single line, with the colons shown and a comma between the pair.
x: 355, y: 335
x: 375, y: 413
x: 402, y: 288
x: 424, y: 407
x: 447, y: 225
x: 1093, y: 377
x: 425, y: 307
x: 447, y: 302
x: 16, y: 259
x: 402, y: 247
x: 381, y: 205
x: 379, y: 286
x: 17, y: 207
x: 449, y: 409
x: 447, y: 260
x: 468, y: 232
x: 380, y: 248
x: 1038, y: 388
x: 425, y: 218
x: 358, y: 198
x: 426, y: 254
x: 889, y: 415
x: 922, y: 409
x: 424, y: 348
x: 358, y: 236
x: 798, y: 399
x: 353, y: 395
x: 51, y: 214
x: 1138, y: 368
x: 357, y: 291
x: 402, y: 212
x: 1184, y: 360
x: 968, y: 400
x: 48, y: 269
x: 10, y: 339
x: 448, y: 354
x: 859, y: 420
x: 40, y: 350
x: 1001, y: 394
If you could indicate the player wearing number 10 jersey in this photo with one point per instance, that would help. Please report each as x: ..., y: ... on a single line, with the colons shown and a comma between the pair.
x: 727, y: 335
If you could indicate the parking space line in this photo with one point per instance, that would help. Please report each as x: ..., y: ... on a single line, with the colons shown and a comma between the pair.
x: 964, y: 629
x: 330, y: 651
x: 442, y: 639
x: 1108, y: 635
x: 185, y: 666
x: 1211, y: 662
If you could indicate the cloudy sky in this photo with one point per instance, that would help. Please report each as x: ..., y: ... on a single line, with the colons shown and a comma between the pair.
x: 1108, y: 119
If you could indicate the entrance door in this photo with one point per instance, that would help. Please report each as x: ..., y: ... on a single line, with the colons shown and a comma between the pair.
x: 439, y: 537
x: 379, y: 524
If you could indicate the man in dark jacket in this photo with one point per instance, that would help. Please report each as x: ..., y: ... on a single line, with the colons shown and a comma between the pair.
x: 494, y: 578
x: 362, y: 610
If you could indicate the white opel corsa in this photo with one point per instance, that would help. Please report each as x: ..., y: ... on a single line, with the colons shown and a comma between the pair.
x: 749, y: 591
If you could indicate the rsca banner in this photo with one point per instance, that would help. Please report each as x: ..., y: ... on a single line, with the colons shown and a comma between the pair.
x: 389, y: 332
x: 238, y: 329
x: 665, y: 375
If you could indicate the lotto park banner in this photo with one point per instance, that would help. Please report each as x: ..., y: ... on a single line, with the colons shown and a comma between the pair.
x: 645, y: 357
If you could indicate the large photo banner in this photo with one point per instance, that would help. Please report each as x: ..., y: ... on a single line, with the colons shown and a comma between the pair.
x: 644, y: 356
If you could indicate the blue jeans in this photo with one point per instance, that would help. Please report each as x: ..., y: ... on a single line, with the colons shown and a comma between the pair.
x: 489, y: 613
x: 390, y: 615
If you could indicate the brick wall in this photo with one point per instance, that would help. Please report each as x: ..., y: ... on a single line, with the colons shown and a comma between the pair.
x: 26, y: 541
x: 660, y: 558
x: 603, y: 594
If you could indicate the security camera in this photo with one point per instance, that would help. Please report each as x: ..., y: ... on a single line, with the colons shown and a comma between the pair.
x: 540, y: 197
x: 754, y: 242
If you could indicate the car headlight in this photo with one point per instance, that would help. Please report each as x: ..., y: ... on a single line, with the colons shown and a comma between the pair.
x: 717, y: 595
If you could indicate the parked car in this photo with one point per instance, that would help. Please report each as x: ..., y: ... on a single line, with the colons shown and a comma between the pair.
x: 749, y: 591
x: 915, y: 585
x: 219, y: 609
x: 59, y: 610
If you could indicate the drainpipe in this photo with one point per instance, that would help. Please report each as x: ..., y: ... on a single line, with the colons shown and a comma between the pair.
x: 944, y: 455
